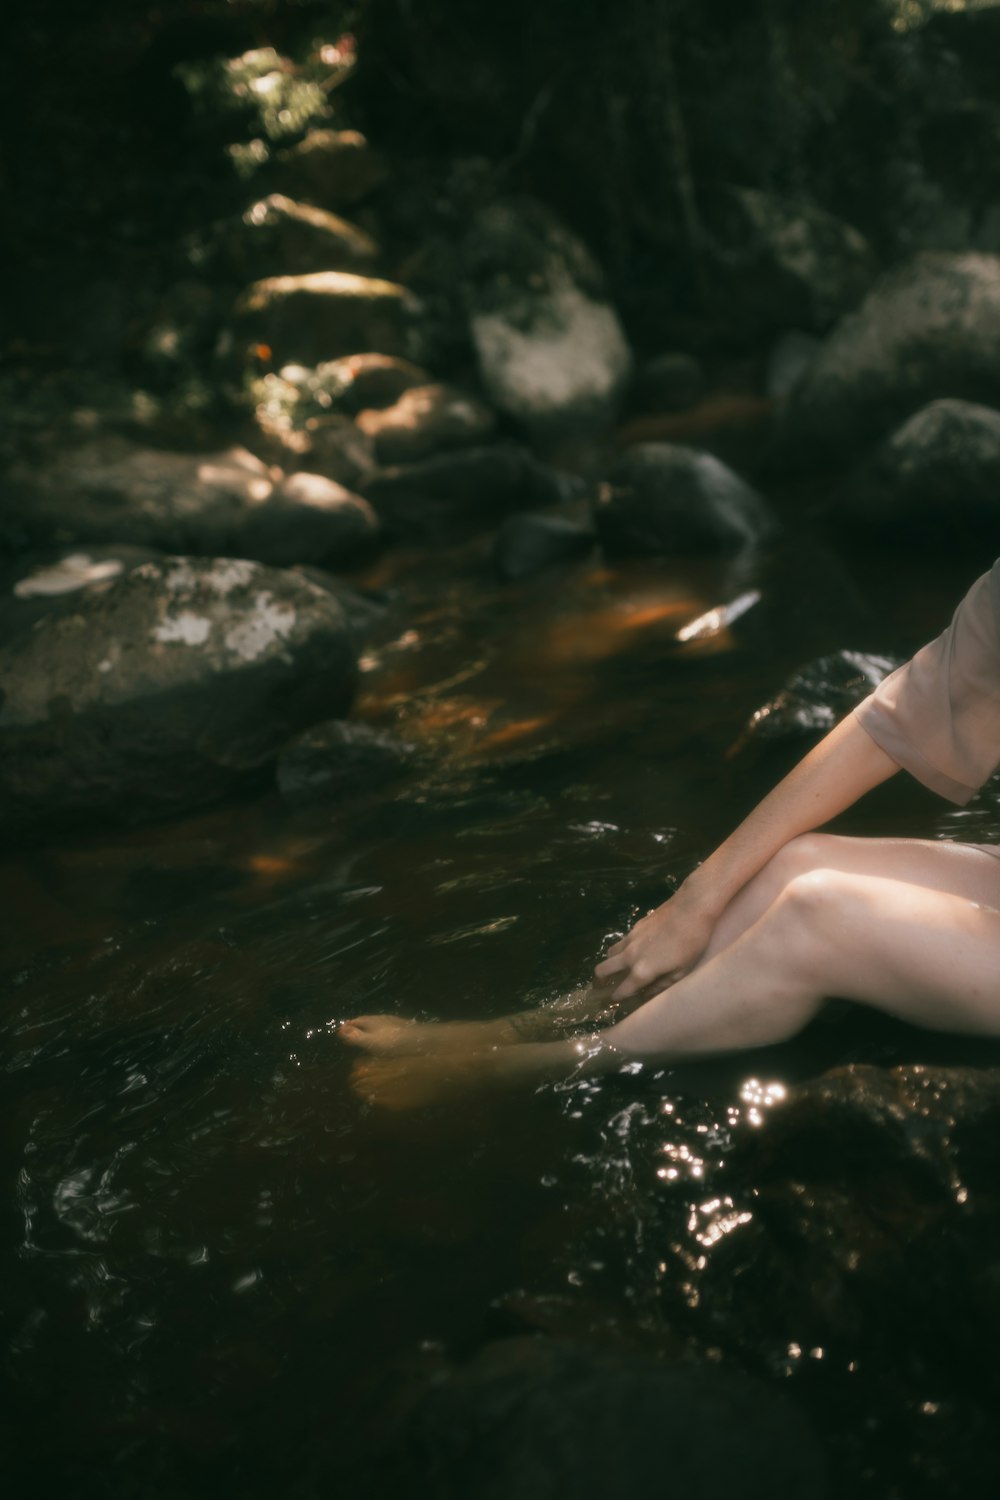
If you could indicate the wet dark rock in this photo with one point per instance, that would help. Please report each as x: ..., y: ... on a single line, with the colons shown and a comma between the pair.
x: 867, y: 1268
x: 425, y: 419
x: 819, y: 694
x: 296, y: 423
x: 324, y: 314
x: 933, y: 484
x: 552, y: 354
x: 363, y: 608
x: 305, y: 412
x: 309, y: 518
x: 48, y: 581
x: 227, y: 503
x: 669, y: 382
x: 535, y: 1419
x: 332, y: 168
x: 793, y: 260
x: 362, y: 381
x: 470, y: 487
x: 527, y: 543
x: 175, y: 685
x: 277, y: 233
x: 336, y: 447
x: 339, y: 759
x: 929, y: 329
x: 663, y: 498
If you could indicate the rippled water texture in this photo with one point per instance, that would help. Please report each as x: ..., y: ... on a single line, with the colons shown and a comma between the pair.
x: 220, y: 1269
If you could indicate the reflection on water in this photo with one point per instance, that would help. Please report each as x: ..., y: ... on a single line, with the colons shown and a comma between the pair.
x: 217, y: 1263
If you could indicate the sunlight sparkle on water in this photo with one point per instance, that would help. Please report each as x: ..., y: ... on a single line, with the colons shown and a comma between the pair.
x: 758, y: 1097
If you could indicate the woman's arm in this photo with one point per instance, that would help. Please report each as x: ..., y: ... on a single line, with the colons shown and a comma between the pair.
x: 665, y: 944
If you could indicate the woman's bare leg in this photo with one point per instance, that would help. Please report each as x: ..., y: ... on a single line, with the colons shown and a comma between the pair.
x: 961, y: 869
x: 591, y: 1004
x: 928, y: 956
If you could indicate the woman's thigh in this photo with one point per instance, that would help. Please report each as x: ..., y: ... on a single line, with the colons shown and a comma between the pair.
x: 966, y: 870
x: 928, y: 955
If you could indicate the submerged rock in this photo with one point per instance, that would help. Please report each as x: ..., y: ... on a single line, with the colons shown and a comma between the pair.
x: 470, y: 487
x: 340, y: 759
x: 818, y: 695
x: 663, y: 498
x: 864, y: 1255
x: 929, y: 329
x: 552, y: 354
x: 227, y: 503
x: 425, y: 419
x: 176, y: 684
x: 536, y: 1418
x: 527, y: 543
x: 934, y: 483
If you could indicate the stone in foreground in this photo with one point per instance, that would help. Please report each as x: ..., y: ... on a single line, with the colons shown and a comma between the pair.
x: 175, y: 685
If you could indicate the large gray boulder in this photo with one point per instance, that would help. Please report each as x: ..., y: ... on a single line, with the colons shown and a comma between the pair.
x: 552, y: 354
x: 664, y: 498
x: 172, y: 686
x: 226, y: 503
x: 933, y: 483
x: 929, y: 329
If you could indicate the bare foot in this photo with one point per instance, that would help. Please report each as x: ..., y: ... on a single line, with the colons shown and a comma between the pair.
x: 401, y: 1083
x: 393, y: 1036
x: 404, y: 1083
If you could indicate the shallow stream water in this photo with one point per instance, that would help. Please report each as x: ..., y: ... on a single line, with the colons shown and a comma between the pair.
x: 218, y: 1265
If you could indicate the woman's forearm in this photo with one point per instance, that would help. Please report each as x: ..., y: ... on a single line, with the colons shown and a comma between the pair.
x: 835, y: 773
x: 668, y: 941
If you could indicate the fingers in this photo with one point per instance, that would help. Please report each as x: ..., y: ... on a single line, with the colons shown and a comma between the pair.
x: 611, y: 965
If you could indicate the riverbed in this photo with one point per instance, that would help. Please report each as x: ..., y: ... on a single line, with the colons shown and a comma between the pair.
x: 220, y: 1266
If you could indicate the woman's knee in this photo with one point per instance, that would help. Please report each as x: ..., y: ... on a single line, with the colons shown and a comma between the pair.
x: 808, y: 919
x: 799, y: 857
x: 807, y: 852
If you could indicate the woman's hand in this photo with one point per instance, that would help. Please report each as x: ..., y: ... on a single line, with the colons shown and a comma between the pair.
x: 663, y: 946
